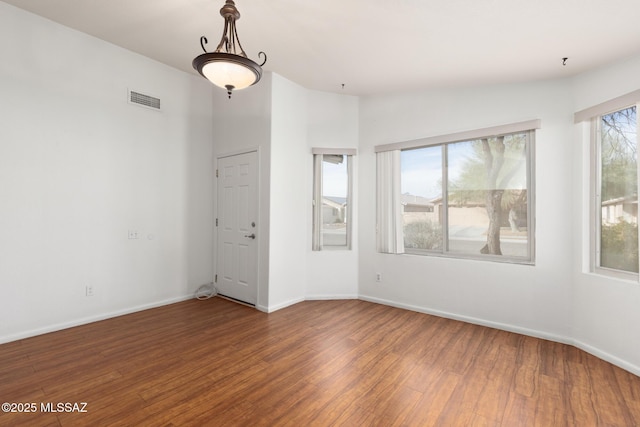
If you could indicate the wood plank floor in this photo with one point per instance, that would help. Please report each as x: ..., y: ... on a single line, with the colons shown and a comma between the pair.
x: 317, y: 363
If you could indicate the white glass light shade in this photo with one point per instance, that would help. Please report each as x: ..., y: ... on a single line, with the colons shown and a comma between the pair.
x: 227, y: 70
x: 225, y: 74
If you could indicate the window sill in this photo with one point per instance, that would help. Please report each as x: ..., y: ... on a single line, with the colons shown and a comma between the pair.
x: 491, y: 258
x: 616, y: 275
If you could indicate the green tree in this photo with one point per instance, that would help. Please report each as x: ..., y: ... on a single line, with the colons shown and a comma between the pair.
x: 619, y: 246
x: 618, y: 151
x: 488, y: 176
x: 619, y: 188
x: 423, y: 235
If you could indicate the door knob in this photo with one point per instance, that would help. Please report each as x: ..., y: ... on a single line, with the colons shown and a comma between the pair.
x: 251, y: 236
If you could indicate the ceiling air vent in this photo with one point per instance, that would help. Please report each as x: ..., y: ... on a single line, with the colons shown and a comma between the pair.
x: 144, y: 100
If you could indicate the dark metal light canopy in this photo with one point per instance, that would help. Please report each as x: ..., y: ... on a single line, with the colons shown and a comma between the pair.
x: 228, y: 66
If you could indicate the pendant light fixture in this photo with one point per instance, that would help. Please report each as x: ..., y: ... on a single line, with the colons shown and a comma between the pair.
x: 228, y: 66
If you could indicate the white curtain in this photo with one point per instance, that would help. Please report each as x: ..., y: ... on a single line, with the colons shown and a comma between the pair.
x: 317, y: 202
x: 389, y: 208
x: 350, y: 198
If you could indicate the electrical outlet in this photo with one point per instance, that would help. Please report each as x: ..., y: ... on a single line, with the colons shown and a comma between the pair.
x: 378, y: 277
x: 89, y: 291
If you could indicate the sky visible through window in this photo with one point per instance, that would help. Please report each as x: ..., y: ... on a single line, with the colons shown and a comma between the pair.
x: 334, y: 183
x: 421, y: 169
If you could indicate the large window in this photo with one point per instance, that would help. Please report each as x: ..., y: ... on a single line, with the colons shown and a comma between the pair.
x: 616, y: 191
x: 332, y: 199
x: 466, y: 198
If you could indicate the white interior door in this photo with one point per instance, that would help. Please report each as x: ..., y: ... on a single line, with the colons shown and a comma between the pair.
x: 237, y: 226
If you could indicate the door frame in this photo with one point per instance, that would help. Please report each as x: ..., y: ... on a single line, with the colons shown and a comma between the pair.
x: 259, y: 238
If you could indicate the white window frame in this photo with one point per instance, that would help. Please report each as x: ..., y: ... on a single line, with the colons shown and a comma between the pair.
x: 521, y: 127
x: 596, y: 182
x: 318, y: 158
x: 593, y: 114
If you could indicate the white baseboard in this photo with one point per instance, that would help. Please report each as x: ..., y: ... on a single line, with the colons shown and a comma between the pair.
x: 330, y: 297
x: 285, y: 304
x: 614, y: 360
x: 128, y: 310
x: 91, y: 319
x: 634, y: 369
x: 282, y: 305
x: 476, y: 321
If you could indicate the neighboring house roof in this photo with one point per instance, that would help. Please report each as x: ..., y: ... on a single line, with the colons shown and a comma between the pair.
x: 335, y: 202
x: 410, y: 199
x: 618, y: 200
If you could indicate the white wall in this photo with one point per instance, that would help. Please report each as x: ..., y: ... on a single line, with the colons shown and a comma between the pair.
x: 289, y: 168
x: 532, y: 299
x: 79, y: 167
x: 606, y: 311
x: 332, y: 123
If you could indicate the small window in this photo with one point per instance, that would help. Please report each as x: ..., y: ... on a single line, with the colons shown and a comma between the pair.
x: 332, y: 199
x: 616, y: 192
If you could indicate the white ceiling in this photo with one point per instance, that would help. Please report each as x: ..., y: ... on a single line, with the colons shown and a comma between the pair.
x: 373, y: 46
